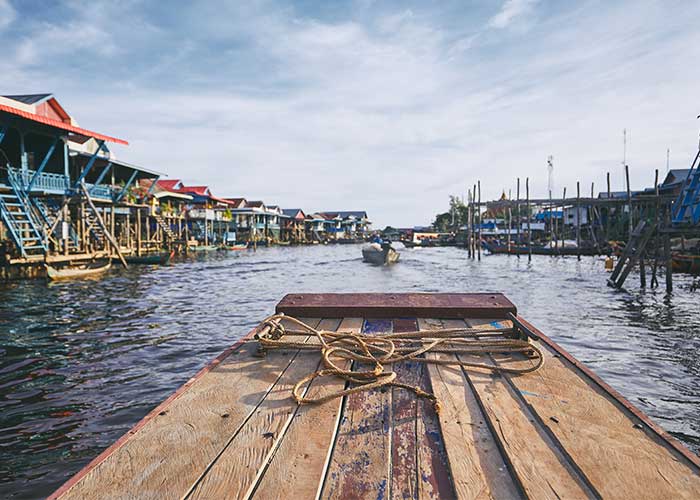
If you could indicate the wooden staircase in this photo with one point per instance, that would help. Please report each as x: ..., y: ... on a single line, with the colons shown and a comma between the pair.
x: 16, y: 211
x: 641, y: 236
x: 165, y: 227
x: 686, y: 210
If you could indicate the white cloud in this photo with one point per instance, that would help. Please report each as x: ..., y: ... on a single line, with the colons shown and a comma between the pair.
x: 395, y: 113
x: 510, y: 11
x: 7, y: 14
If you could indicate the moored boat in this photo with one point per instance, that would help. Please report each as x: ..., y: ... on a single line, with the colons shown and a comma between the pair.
x: 161, y: 258
x: 685, y: 263
x: 540, y: 250
x: 202, y: 248
x: 76, y: 271
x: 460, y: 397
x: 235, y: 248
x: 380, y: 254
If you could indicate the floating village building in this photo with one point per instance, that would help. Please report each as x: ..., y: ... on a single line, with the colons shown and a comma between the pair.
x: 65, y: 199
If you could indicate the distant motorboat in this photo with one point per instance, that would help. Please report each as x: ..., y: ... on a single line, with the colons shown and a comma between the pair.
x: 380, y: 255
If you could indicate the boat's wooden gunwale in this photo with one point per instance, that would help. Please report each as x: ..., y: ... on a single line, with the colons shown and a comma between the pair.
x: 150, y: 416
x: 615, y: 396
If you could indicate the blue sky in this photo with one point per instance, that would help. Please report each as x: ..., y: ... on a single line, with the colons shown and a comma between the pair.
x: 383, y: 106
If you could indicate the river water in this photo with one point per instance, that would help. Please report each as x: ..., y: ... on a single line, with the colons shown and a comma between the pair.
x: 81, y: 362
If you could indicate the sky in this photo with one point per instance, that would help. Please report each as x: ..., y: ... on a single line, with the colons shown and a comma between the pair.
x: 384, y: 106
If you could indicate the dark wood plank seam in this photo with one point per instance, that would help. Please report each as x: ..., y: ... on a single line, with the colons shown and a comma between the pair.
x: 448, y: 464
x: 583, y: 478
x: 95, y: 462
x: 206, y: 470
x: 496, y: 438
x: 334, y: 440
x: 278, y: 442
x: 618, y: 398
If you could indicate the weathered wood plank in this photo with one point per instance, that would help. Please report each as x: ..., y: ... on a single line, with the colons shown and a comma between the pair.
x: 396, y: 305
x: 614, y: 454
x: 404, y: 472
x: 477, y: 467
x: 541, y: 469
x: 235, y: 471
x: 303, y: 454
x: 152, y: 464
x: 360, y: 463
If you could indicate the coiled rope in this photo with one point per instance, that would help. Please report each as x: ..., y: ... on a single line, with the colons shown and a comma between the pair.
x: 383, y: 349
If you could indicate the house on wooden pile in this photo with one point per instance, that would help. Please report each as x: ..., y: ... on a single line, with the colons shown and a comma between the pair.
x: 315, y: 228
x: 353, y: 224
x: 210, y: 218
x: 168, y: 210
x: 293, y: 225
x: 63, y: 195
x: 274, y: 225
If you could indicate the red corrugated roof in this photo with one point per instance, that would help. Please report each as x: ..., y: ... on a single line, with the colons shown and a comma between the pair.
x: 59, y: 124
x: 168, y: 184
x: 198, y: 190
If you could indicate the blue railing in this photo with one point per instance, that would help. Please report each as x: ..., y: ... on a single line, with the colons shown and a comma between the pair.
x: 99, y: 191
x: 45, y: 181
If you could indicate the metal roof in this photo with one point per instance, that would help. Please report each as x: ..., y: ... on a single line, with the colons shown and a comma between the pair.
x: 59, y: 124
x: 118, y: 163
x: 28, y: 98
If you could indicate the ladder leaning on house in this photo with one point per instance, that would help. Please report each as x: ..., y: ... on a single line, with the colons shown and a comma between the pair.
x: 16, y: 211
x: 633, y: 251
x: 101, y: 224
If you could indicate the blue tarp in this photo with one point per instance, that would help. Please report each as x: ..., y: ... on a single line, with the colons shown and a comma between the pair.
x: 557, y: 214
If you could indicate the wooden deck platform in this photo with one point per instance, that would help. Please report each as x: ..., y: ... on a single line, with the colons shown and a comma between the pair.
x: 233, y: 430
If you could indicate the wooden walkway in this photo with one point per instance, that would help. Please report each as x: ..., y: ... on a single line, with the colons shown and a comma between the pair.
x: 234, y: 432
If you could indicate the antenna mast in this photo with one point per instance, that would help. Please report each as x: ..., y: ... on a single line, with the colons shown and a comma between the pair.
x: 550, y: 174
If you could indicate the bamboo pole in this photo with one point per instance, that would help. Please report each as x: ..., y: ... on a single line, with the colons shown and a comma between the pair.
x: 629, y: 203
x: 655, y: 265
x: 474, y: 211
x: 529, y: 229
x: 517, y: 216
x: 510, y: 221
x: 478, y: 245
x: 578, y: 220
x: 552, y: 236
x: 469, y: 223
x: 667, y: 251
x: 563, y: 219
x: 607, y: 213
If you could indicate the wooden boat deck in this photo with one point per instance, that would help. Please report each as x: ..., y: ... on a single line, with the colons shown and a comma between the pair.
x: 233, y: 430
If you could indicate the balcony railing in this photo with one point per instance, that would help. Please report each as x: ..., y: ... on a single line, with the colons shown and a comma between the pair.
x: 44, y: 182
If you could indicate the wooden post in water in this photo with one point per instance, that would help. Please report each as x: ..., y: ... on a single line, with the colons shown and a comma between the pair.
x: 529, y: 229
x: 478, y: 243
x: 655, y: 265
x: 607, y: 213
x: 578, y: 220
x: 510, y: 219
x: 139, y: 233
x: 474, y: 232
x: 517, y: 218
x: 552, y: 232
x: 469, y: 223
x: 629, y: 203
x: 563, y: 218
x: 667, y: 250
